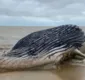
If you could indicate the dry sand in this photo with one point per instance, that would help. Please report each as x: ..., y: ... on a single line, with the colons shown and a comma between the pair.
x: 10, y: 35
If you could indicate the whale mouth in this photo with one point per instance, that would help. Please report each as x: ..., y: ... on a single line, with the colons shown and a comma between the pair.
x: 75, y: 57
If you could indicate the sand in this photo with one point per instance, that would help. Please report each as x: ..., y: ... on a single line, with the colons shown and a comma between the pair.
x: 10, y: 35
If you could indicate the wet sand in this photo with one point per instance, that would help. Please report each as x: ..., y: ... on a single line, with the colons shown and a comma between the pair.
x: 29, y: 75
x: 9, y: 36
x: 69, y: 72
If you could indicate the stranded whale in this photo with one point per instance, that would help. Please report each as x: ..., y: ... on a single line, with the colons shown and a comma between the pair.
x: 43, y: 47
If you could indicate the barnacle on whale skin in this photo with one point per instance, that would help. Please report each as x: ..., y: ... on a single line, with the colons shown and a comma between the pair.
x: 45, y: 46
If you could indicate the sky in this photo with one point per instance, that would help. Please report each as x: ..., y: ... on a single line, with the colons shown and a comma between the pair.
x: 42, y: 12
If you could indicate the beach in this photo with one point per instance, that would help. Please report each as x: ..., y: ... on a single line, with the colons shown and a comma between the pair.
x: 8, y: 38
